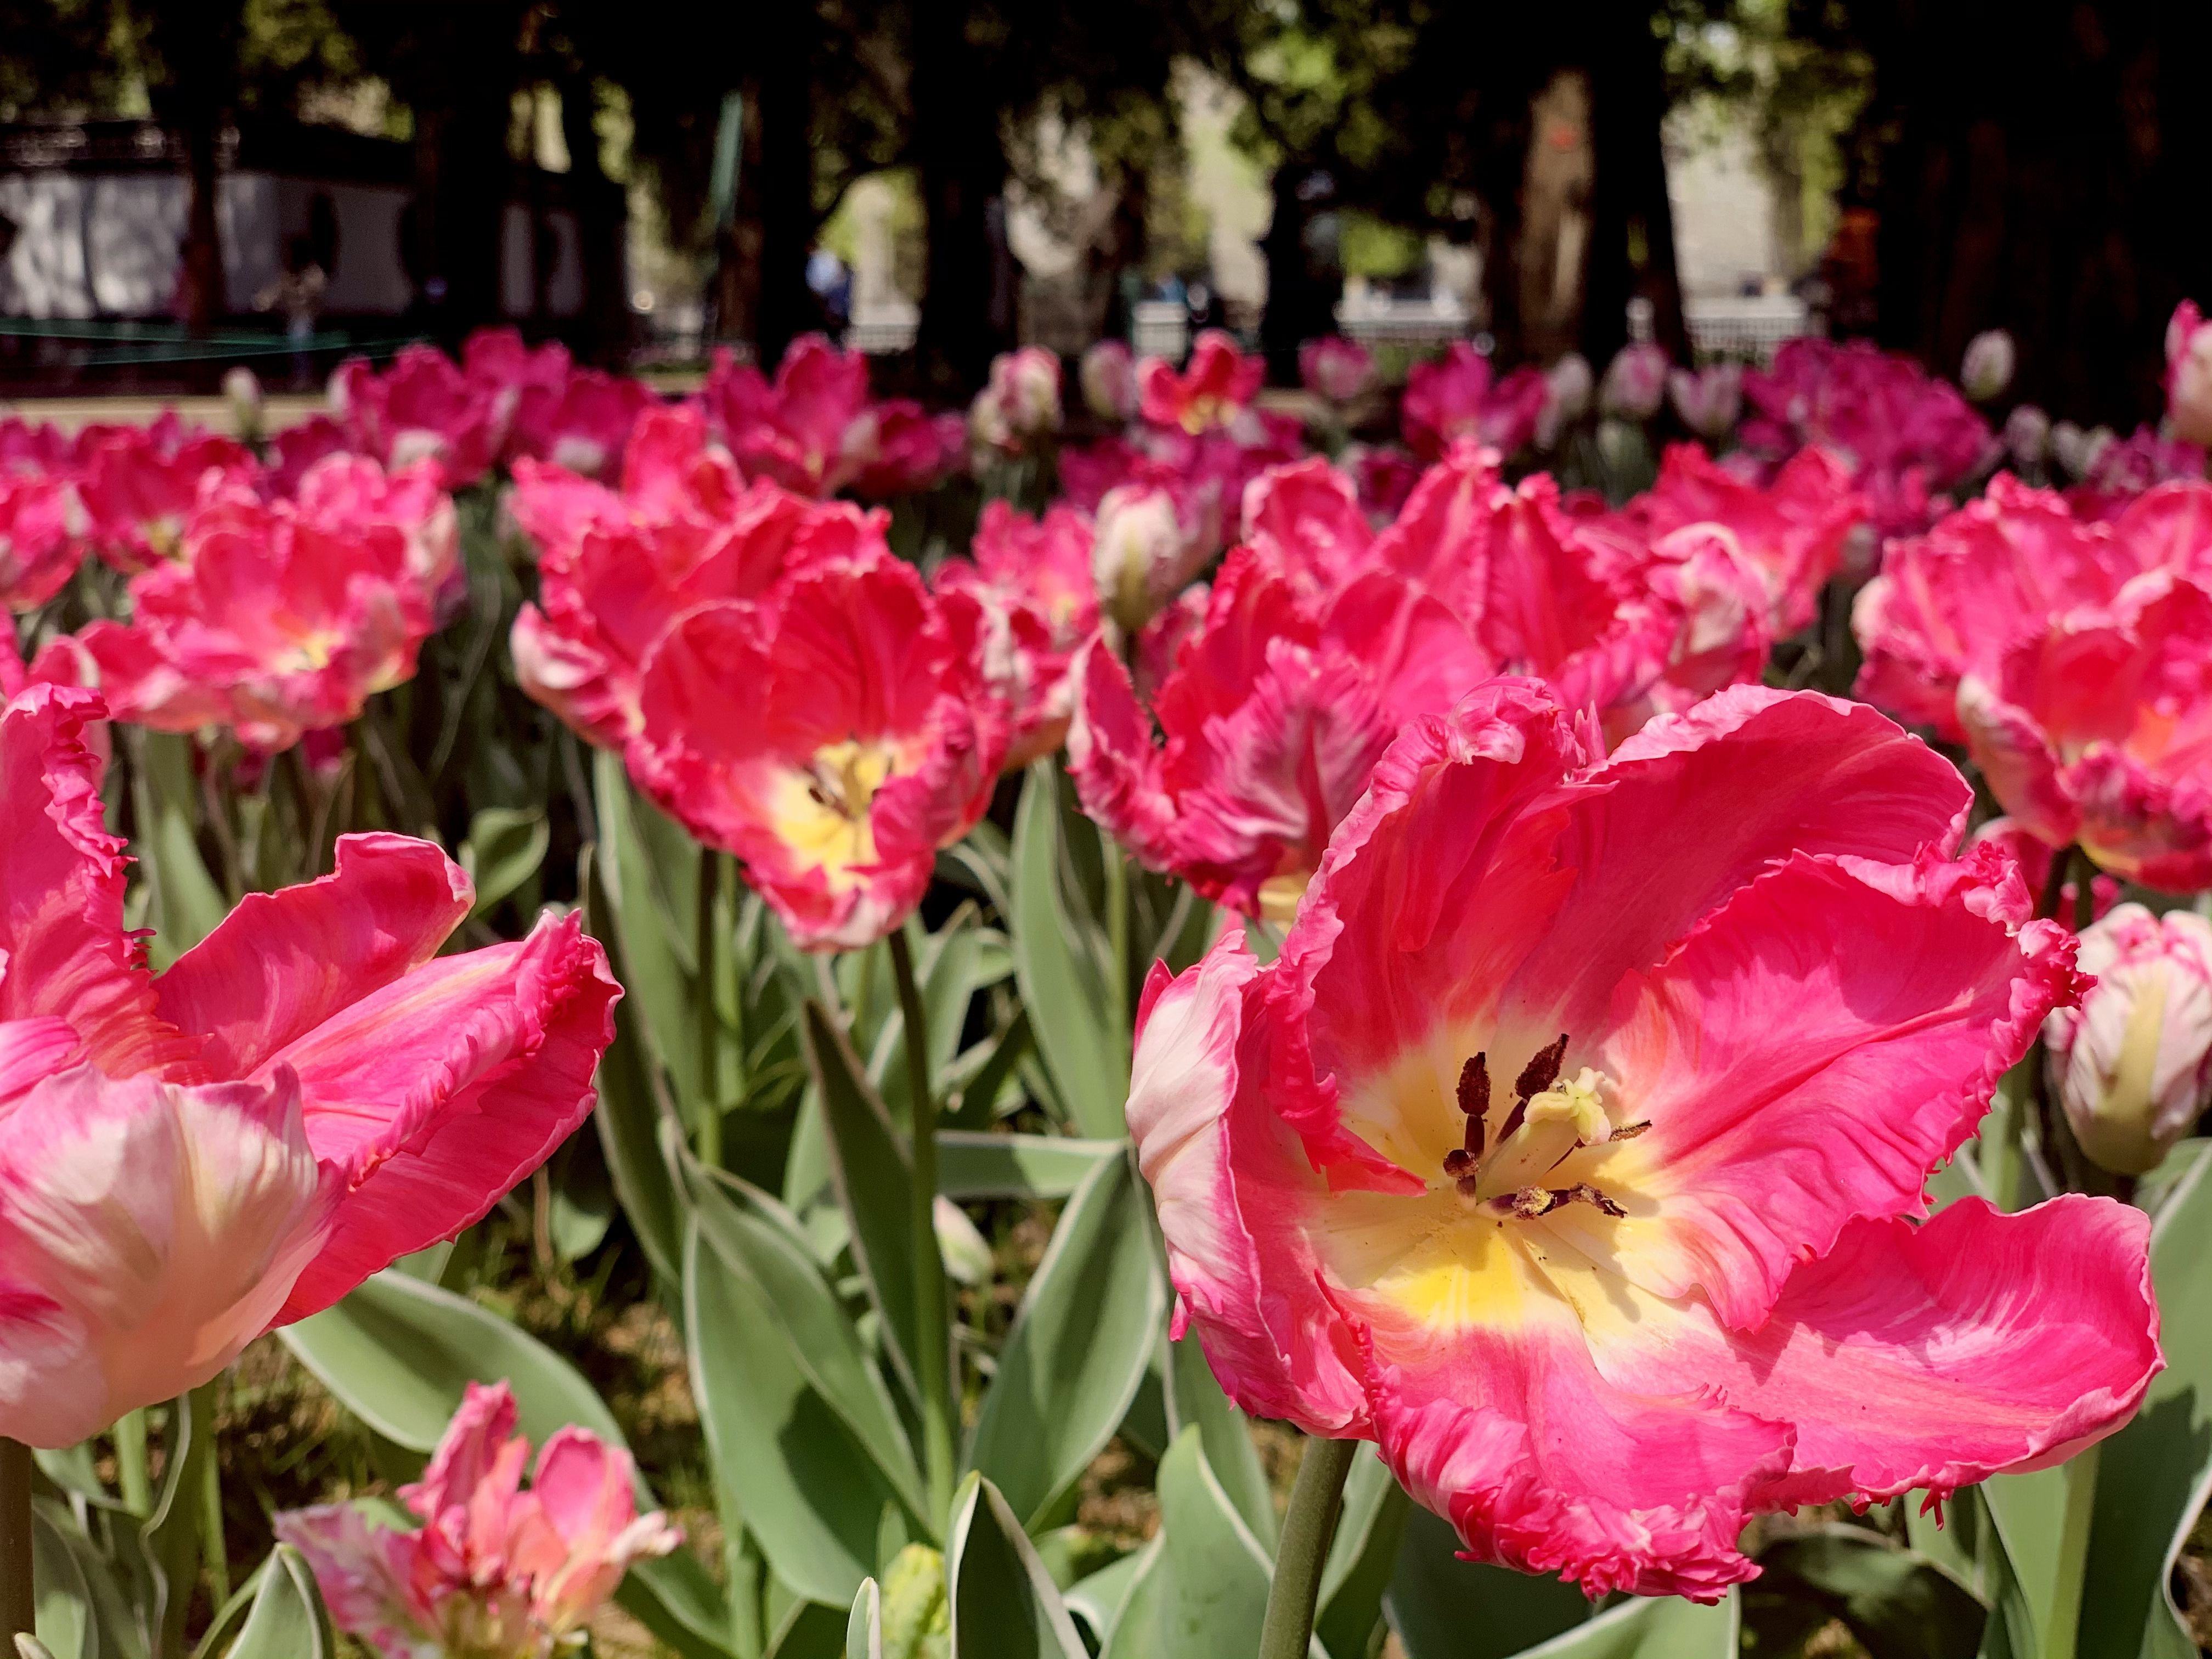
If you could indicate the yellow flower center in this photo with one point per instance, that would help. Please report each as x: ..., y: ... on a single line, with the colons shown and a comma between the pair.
x: 821, y: 810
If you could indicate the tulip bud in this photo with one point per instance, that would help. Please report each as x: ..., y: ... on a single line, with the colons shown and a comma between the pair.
x: 1709, y: 400
x: 1109, y: 381
x: 1142, y: 554
x: 241, y: 391
x: 2028, y: 437
x: 1567, y: 386
x: 1987, y: 368
x: 2076, y: 451
x: 2133, y: 1064
x: 2189, y: 375
x: 1335, y: 369
x: 1635, y: 381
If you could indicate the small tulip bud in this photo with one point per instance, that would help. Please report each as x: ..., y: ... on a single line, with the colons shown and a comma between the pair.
x: 2189, y: 375
x: 1109, y: 381
x: 1987, y: 368
x: 1567, y: 386
x: 1709, y: 400
x: 1142, y: 554
x: 2133, y: 1064
x: 1635, y: 381
x: 2028, y: 437
x: 241, y: 391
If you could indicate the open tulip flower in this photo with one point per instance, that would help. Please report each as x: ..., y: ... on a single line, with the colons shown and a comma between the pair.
x: 1792, y: 529
x: 1213, y: 390
x: 283, y: 618
x: 424, y: 407
x: 309, y: 1093
x: 494, y: 1572
x: 1336, y: 369
x: 1274, y: 715
x: 1571, y: 1149
x: 616, y: 571
x: 140, y: 485
x: 834, y: 736
x: 1908, y: 438
x: 1459, y: 395
x: 817, y: 431
x: 1030, y: 600
x: 583, y: 424
x: 42, y: 528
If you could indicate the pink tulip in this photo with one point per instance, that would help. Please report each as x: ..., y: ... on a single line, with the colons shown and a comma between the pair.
x: 280, y: 617
x: 1306, y: 518
x: 2114, y: 473
x: 345, y: 493
x: 1707, y: 400
x: 583, y: 424
x: 1995, y: 574
x: 833, y: 736
x: 615, y: 569
x: 424, y: 408
x: 494, y: 1571
x: 1217, y: 386
x: 309, y: 1093
x: 1020, y: 405
x: 1793, y: 530
x: 1109, y: 374
x: 43, y: 525
x: 2189, y: 375
x: 1570, y: 1149
x: 2097, y: 729
x: 1456, y: 396
x: 1337, y: 369
x: 1273, y: 716
x: 816, y: 431
x: 1384, y: 476
x: 1908, y: 439
x: 1148, y: 545
x: 299, y: 445
x: 2132, y: 1066
x: 1635, y: 383
x: 139, y: 486
x: 1028, y: 600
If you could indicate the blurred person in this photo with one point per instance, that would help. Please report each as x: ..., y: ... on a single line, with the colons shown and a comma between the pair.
x: 298, y: 293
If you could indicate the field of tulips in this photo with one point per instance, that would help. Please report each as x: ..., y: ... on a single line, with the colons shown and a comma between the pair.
x: 1548, y: 1011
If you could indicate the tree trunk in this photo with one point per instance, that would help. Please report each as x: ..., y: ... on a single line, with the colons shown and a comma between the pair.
x: 1632, y: 250
x: 1501, y: 182
x: 463, y: 172
x: 202, y: 254
x: 786, y: 307
x: 602, y: 213
x: 966, y: 315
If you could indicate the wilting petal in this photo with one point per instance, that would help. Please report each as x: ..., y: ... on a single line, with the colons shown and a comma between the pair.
x: 63, y: 948
x: 151, y: 1230
x: 436, y: 1094
x: 1911, y: 1357
x: 1806, y: 1057
x: 283, y: 962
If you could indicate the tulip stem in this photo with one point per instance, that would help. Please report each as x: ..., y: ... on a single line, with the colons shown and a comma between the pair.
x: 2073, y: 1555
x: 706, y: 943
x: 1309, y: 1529
x: 18, y: 1597
x: 933, y: 1333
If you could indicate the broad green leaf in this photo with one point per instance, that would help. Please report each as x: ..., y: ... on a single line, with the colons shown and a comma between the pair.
x: 399, y: 1354
x: 287, y: 1620
x: 1444, y: 1607
x: 864, y: 1627
x: 672, y: 1596
x: 1665, y: 1628
x: 1360, y: 1558
x: 1004, y: 1603
x: 872, y: 1172
x: 1949, y: 1535
x: 1899, y: 1603
x: 579, y: 1200
x: 505, y: 847
x: 2152, y: 1475
x: 187, y: 903
x: 2029, y: 1512
x: 1088, y: 1059
x: 755, y: 1236
x: 1204, y: 1594
x: 1079, y: 1347
x: 630, y: 1112
x: 985, y: 1090
x: 971, y: 1165
x: 66, y: 1618
x: 656, y: 935
x: 1193, y: 1398
x: 1099, y: 1600
x: 808, y: 1630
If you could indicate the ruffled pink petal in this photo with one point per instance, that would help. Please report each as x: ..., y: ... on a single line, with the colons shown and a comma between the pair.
x: 63, y: 949
x: 150, y: 1231
x: 1207, y: 1143
x: 365, y: 1575
x: 1929, y: 1356
x: 282, y: 963
x: 1114, y: 758
x: 1804, y: 1058
x: 33, y: 1049
x: 437, y: 1094
x: 1543, y: 1462
x: 2016, y: 758
x: 468, y: 1453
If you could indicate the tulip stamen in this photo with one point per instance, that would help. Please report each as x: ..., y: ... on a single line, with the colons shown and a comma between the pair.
x: 1530, y: 1203
x: 1551, y: 1120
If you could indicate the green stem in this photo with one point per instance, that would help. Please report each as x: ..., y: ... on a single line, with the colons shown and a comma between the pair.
x: 1117, y: 931
x: 2054, y: 885
x: 130, y: 1463
x: 933, y: 1332
x: 210, y: 1496
x: 18, y: 1597
x: 2085, y: 889
x: 707, y: 1131
x: 1309, y: 1527
x: 2073, y: 1565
